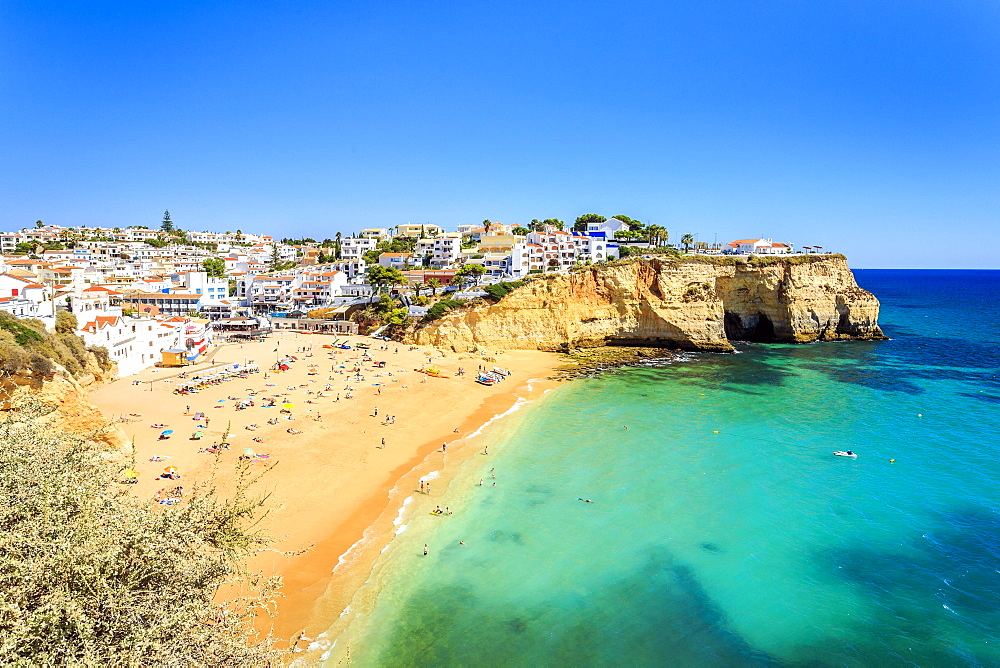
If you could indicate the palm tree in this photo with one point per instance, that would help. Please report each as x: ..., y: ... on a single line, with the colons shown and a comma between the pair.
x: 687, y: 240
x: 656, y: 235
x: 336, y: 252
x: 434, y: 284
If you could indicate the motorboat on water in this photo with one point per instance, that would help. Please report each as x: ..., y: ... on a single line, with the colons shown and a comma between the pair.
x: 846, y: 453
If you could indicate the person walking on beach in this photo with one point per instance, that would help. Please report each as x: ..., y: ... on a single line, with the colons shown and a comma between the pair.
x: 421, y: 486
x: 375, y: 414
x: 425, y: 549
x: 444, y: 447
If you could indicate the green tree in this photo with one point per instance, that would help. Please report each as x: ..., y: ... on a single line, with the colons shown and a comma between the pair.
x: 434, y: 284
x: 581, y: 223
x: 520, y: 231
x: 336, y: 252
x: 167, y: 225
x: 397, y: 316
x: 215, y: 266
x: 39, y: 223
x: 554, y: 222
x: 470, y: 273
x: 371, y: 257
x: 687, y: 240
x: 275, y: 260
x: 381, y: 277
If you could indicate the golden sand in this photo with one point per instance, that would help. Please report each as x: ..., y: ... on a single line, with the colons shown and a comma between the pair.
x: 333, y: 484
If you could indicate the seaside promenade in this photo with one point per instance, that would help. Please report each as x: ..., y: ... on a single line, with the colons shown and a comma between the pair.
x: 333, y: 483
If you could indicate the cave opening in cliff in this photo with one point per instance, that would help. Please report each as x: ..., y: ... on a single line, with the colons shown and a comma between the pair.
x: 757, y: 328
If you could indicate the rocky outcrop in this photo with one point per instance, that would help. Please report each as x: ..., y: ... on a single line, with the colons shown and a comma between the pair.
x: 690, y: 303
x: 66, y: 397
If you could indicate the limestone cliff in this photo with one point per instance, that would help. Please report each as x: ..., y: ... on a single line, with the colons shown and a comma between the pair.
x: 690, y: 304
x: 68, y: 397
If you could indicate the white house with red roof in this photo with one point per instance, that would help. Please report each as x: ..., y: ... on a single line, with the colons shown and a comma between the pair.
x: 133, y: 344
x: 558, y: 248
x: 526, y: 257
x: 758, y: 247
x: 22, y: 296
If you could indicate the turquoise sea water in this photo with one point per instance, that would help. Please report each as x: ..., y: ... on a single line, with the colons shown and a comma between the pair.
x: 753, y: 545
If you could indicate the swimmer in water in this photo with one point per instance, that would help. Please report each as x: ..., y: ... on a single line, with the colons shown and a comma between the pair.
x: 585, y: 500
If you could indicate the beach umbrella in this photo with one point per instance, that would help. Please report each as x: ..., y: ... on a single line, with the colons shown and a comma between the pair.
x: 131, y: 474
x: 167, y: 432
x: 220, y: 401
x: 288, y: 406
x: 248, y: 452
x: 170, y: 469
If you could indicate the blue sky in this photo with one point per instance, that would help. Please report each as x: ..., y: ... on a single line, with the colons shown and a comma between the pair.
x: 872, y: 128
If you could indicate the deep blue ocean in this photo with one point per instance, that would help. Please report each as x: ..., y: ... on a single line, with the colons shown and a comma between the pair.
x: 723, y: 531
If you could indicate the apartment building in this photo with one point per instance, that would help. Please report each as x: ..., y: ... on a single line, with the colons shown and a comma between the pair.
x: 355, y: 248
x: 443, y: 251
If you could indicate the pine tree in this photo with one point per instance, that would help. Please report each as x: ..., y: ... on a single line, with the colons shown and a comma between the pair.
x: 166, y: 225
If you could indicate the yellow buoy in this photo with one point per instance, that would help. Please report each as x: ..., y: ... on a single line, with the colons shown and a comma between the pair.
x: 891, y: 461
x: 715, y: 432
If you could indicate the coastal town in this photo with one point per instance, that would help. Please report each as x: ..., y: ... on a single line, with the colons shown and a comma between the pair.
x: 162, y: 296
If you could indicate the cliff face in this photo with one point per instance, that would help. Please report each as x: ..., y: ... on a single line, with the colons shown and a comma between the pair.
x: 68, y: 396
x: 690, y: 305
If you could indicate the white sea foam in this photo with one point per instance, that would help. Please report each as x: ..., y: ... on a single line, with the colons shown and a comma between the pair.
x: 401, y: 528
x: 521, y: 401
x: 430, y: 476
x: 342, y: 559
x: 402, y: 509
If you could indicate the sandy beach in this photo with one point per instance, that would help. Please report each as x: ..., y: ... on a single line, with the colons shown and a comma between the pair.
x: 336, y: 488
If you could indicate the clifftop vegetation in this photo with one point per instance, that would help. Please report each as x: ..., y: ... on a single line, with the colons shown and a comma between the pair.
x: 26, y: 344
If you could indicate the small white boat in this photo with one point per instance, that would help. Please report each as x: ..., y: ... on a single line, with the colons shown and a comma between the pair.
x: 845, y: 453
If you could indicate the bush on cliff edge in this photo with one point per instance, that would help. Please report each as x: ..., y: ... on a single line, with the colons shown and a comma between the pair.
x: 92, y: 574
x: 25, y: 344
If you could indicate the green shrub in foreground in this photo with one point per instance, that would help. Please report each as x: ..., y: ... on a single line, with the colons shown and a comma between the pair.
x: 91, y: 574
